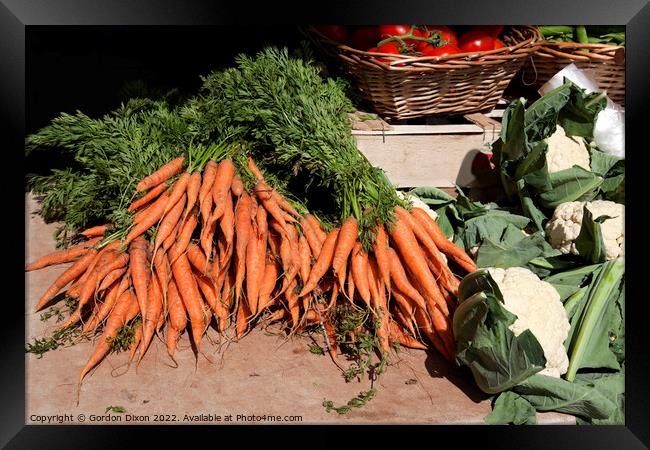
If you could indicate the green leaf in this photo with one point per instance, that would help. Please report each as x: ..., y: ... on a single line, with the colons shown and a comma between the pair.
x: 601, y: 162
x: 568, y: 282
x: 511, y: 408
x: 570, y: 185
x: 491, y: 225
x: 579, y: 115
x: 528, y: 206
x: 589, y: 243
x: 432, y: 196
x: 497, y: 358
x: 513, y: 250
x: 541, y: 116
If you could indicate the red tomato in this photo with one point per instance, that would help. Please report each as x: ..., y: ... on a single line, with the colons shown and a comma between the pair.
x: 498, y: 44
x: 337, y: 33
x: 430, y: 50
x: 386, y: 31
x: 364, y: 37
x: 446, y: 34
x: 475, y: 41
x: 390, y: 47
x: 492, y: 30
x: 482, y: 163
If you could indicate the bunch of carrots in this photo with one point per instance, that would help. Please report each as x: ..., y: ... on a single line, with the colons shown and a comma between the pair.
x: 202, y: 249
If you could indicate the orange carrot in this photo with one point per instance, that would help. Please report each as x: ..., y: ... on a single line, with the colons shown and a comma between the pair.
x: 359, y: 264
x: 177, y: 317
x: 237, y: 187
x: 284, y: 204
x: 315, y: 225
x: 62, y: 256
x: 254, y: 271
x: 190, y: 295
x: 255, y: 170
x: 415, y: 260
x: 169, y: 221
x: 163, y: 272
x: 397, y: 335
x: 163, y: 174
x: 227, y: 222
x: 72, y: 273
x: 292, y: 302
x: 323, y: 262
x: 263, y: 192
x: 305, y: 258
x: 401, y: 281
x: 206, y: 286
x: 178, y: 190
x: 112, y: 276
x: 137, y: 338
x: 271, y: 273
x: 118, y: 260
x: 312, y: 237
x: 221, y: 187
x: 151, y: 317
x: 192, y: 192
x: 205, y: 197
x: 404, y: 307
x: 243, y: 229
x: 424, y: 323
x: 171, y: 239
x: 198, y: 260
x: 149, y: 196
x: 345, y: 243
x: 99, y: 230
x: 104, y: 309
x: 350, y: 278
x: 380, y: 248
x: 207, y: 236
x: 153, y: 214
x: 118, y: 318
x: 139, y: 273
x: 449, y: 248
x: 184, y: 238
x: 443, y: 328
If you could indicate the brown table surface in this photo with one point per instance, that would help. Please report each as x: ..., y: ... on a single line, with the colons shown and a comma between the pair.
x: 260, y: 375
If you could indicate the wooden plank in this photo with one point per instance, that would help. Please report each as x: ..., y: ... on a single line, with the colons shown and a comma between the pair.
x: 400, y: 130
x: 425, y: 159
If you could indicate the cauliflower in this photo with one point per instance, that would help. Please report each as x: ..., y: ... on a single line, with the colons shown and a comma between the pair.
x: 418, y: 203
x: 538, y: 308
x: 564, y: 152
x: 564, y: 226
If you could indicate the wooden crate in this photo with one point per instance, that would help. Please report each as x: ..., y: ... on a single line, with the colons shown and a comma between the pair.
x: 433, y: 154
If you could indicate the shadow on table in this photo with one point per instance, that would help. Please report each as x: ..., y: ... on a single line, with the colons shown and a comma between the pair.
x: 439, y: 367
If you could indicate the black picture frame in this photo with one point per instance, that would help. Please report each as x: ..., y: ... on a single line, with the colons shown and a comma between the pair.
x: 18, y: 16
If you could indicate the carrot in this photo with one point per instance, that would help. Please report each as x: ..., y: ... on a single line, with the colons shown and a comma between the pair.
x: 163, y: 174
x: 184, y: 237
x: 163, y: 272
x: 263, y: 192
x: 226, y: 292
x: 221, y: 187
x: 447, y: 247
x: 400, y: 337
x: 153, y: 214
x: 115, y: 262
x: 380, y: 248
x: 442, y: 325
x: 237, y: 187
x: 139, y: 272
x: 151, y: 317
x: 192, y: 192
x: 243, y: 229
x: 254, y: 271
x: 118, y: 318
x: 271, y: 273
x: 99, y: 230
x: 350, y: 279
x: 169, y: 221
x: 276, y: 315
x: 146, y: 198
x: 315, y: 225
x: 177, y: 317
x: 171, y: 239
x: 292, y: 302
x: 359, y: 265
x: 241, y: 323
x: 401, y: 281
x: 90, y: 285
x: 312, y: 237
x: 102, y: 311
x: 330, y: 333
x: 424, y: 323
x: 323, y: 262
x: 207, y: 236
x: 255, y: 170
x: 227, y: 222
x: 284, y: 204
x: 178, y: 190
x: 405, y: 307
x: 72, y: 273
x: 112, y: 276
x: 137, y: 338
x: 305, y: 258
x: 432, y: 301
x: 210, y: 294
x: 205, y: 199
x: 381, y: 304
x: 415, y: 260
x: 190, y: 295
x: 198, y: 260
x: 62, y: 256
x: 345, y: 243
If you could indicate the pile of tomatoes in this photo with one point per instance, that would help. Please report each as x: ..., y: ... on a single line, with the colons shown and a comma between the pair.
x: 416, y: 40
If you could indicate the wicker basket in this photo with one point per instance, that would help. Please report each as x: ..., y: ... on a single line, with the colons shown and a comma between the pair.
x: 604, y: 63
x: 407, y: 86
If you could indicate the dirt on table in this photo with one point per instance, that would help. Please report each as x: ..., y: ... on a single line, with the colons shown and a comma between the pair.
x: 263, y: 378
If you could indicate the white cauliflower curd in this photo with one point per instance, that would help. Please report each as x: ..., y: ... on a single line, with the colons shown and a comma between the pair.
x: 539, y: 309
x: 564, y: 226
x: 418, y: 203
x: 564, y: 152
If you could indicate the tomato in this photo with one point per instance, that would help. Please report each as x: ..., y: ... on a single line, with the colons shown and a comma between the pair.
x: 386, y: 31
x: 498, y: 44
x: 430, y: 50
x: 364, y: 38
x: 446, y: 34
x: 337, y: 33
x: 392, y: 48
x: 482, y: 163
x: 475, y: 41
x: 492, y: 30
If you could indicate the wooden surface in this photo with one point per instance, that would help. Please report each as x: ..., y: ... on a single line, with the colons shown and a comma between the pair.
x: 263, y: 374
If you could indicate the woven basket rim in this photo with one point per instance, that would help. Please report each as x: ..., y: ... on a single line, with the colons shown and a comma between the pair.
x: 576, y: 51
x: 410, y: 63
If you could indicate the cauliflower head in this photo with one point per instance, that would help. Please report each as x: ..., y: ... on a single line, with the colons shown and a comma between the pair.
x: 418, y: 203
x: 564, y: 152
x: 564, y: 226
x: 539, y: 309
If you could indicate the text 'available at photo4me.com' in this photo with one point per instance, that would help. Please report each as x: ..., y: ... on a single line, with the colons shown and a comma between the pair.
x: 112, y: 417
